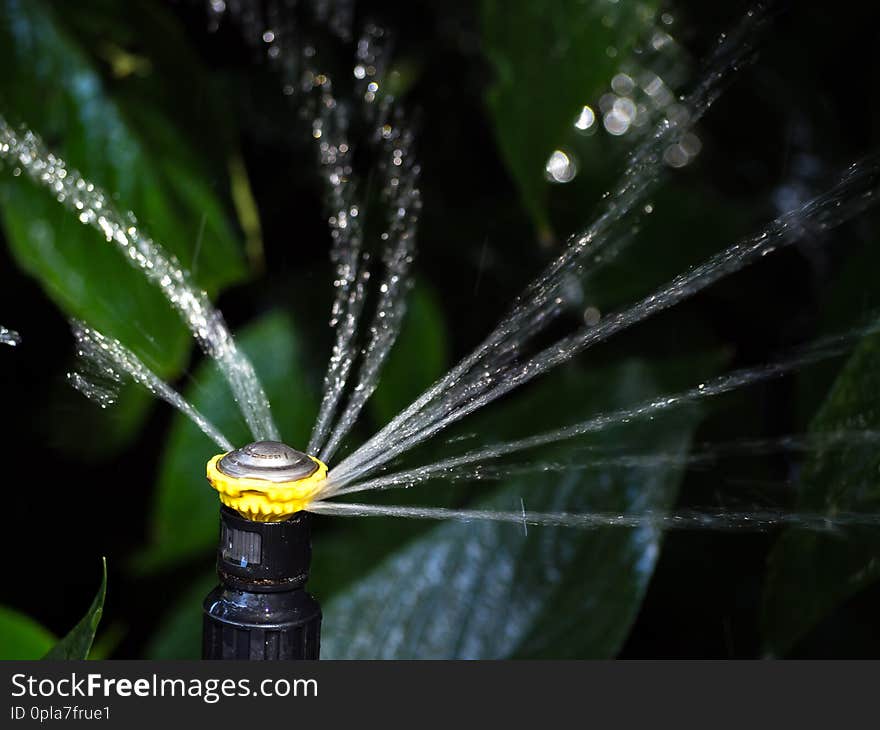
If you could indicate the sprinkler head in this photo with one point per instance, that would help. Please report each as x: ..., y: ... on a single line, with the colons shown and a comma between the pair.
x: 269, y: 460
x: 266, y: 481
x: 261, y: 609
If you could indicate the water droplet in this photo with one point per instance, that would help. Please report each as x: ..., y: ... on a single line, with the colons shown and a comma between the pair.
x: 585, y: 119
x: 560, y: 167
x: 592, y: 315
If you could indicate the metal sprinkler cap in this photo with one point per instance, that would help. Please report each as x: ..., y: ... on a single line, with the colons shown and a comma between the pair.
x: 266, y: 481
x: 269, y: 460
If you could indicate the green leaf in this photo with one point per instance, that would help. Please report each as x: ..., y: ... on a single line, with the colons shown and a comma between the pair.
x: 682, y: 213
x: 811, y: 573
x: 550, y: 57
x: 78, y: 642
x: 21, y: 637
x: 107, y: 642
x: 186, y: 508
x: 853, y: 294
x: 131, y: 150
x: 493, y: 590
x: 110, y: 428
x: 418, y: 358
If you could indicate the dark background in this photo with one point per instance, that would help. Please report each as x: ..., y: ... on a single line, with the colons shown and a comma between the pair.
x: 812, y: 91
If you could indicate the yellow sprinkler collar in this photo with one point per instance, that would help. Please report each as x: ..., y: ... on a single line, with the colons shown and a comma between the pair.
x: 262, y: 500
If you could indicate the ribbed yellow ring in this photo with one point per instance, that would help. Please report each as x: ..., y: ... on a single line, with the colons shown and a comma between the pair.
x: 264, y: 501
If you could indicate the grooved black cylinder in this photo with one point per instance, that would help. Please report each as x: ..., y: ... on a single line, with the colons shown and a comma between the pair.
x: 261, y: 610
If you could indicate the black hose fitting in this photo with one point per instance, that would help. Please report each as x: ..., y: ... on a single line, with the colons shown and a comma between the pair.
x: 261, y: 609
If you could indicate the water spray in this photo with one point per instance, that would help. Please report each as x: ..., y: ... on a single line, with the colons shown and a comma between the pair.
x: 9, y: 337
x: 261, y: 609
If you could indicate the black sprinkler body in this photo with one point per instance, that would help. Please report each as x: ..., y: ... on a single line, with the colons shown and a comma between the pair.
x: 261, y: 609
